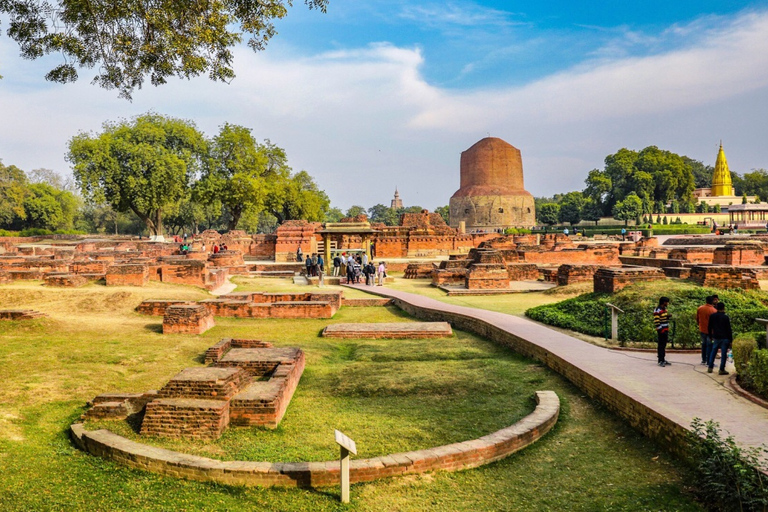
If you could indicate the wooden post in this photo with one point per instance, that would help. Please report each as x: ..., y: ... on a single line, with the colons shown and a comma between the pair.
x: 347, y: 446
x: 614, y: 321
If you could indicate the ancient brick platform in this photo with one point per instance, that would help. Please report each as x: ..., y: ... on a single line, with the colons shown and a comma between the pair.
x: 725, y: 276
x: 264, y: 402
x: 65, y: 280
x: 157, y: 307
x: 127, y: 274
x: 194, y: 319
x: 611, y: 280
x: 390, y: 330
x: 217, y: 351
x: 259, y: 362
x: 20, y: 314
x: 735, y: 253
x: 209, y: 383
x: 418, y: 270
x: 522, y: 272
x: 186, y: 417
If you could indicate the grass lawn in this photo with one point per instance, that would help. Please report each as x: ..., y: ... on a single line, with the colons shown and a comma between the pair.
x: 388, y: 395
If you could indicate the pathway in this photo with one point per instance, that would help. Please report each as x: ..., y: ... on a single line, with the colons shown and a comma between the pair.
x: 680, y: 392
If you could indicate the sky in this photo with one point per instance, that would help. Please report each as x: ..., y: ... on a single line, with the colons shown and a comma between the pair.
x: 375, y: 94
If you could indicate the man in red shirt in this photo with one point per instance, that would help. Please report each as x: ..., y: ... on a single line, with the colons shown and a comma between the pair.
x: 702, y: 318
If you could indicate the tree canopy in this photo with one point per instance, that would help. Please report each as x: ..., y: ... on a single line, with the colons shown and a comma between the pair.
x: 144, y: 165
x: 130, y: 41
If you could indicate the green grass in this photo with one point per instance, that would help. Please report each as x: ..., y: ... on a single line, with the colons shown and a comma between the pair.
x: 388, y: 395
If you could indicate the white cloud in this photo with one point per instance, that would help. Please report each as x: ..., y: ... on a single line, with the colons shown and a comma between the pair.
x: 364, y: 120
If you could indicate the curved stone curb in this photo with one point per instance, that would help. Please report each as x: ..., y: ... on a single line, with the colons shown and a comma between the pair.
x: 451, y: 457
x: 733, y: 383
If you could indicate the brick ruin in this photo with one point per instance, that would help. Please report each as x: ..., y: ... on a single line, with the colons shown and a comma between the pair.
x: 20, y: 314
x: 726, y: 276
x: 250, y: 305
x: 611, y: 280
x: 246, y: 383
x: 390, y: 330
x: 187, y: 319
x: 484, y: 268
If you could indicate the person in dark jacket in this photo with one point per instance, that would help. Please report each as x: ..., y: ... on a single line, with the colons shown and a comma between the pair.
x: 661, y: 324
x: 721, y: 335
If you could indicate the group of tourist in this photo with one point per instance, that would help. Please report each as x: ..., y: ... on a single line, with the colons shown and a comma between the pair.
x: 714, y: 328
x: 315, y: 265
x: 354, y: 267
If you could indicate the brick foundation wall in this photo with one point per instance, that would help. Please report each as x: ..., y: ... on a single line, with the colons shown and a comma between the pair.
x: 522, y: 272
x: 739, y: 254
x: 725, y: 276
x: 184, y: 417
x: 452, y: 457
x: 651, y: 262
x: 693, y: 254
x: 195, y: 319
x: 611, y: 280
x: 127, y: 274
x: 65, y: 280
x: 570, y: 274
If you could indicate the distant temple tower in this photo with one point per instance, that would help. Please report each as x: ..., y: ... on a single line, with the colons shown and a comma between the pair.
x: 492, y: 195
x: 396, y: 203
x: 721, y: 181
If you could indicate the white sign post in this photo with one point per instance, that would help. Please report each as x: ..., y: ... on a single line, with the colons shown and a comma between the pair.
x: 614, y: 321
x: 347, y: 446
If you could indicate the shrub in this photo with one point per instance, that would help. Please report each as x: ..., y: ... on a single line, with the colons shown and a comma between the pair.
x: 585, y: 313
x: 742, y: 353
x: 5, y: 232
x: 757, y: 371
x: 727, y: 477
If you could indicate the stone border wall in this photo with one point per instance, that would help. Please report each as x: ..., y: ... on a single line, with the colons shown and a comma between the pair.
x: 451, y: 457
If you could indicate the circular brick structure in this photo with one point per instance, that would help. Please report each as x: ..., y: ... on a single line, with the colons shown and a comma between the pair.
x: 492, y: 194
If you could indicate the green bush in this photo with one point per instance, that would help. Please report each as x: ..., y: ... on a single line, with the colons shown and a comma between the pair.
x: 742, y: 352
x: 4, y: 232
x: 727, y: 477
x: 757, y: 371
x: 586, y: 313
x: 517, y: 231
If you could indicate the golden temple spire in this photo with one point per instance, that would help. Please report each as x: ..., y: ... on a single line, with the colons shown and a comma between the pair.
x: 721, y: 180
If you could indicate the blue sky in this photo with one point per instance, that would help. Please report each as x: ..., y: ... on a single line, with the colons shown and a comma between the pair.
x: 377, y: 94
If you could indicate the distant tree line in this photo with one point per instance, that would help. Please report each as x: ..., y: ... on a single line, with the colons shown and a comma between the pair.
x: 381, y: 213
x: 637, y: 183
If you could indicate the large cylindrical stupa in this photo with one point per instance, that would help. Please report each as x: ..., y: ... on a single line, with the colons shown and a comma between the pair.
x: 492, y: 194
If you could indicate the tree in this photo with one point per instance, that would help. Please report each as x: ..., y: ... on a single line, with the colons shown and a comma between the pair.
x: 132, y: 40
x: 628, y: 209
x: 702, y: 174
x: 592, y: 211
x: 444, y: 212
x: 13, y: 190
x: 144, y: 165
x: 570, y: 207
x: 384, y: 214
x: 236, y: 172
x: 548, y: 213
x: 354, y: 211
x: 333, y: 215
x: 297, y: 197
x: 755, y: 183
x: 47, y: 207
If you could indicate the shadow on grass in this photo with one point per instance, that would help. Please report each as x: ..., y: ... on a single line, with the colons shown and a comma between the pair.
x: 156, y: 328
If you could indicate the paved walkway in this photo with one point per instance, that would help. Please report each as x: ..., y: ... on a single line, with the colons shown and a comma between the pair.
x: 680, y: 392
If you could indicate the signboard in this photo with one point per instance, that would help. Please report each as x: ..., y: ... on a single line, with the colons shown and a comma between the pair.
x: 345, y: 442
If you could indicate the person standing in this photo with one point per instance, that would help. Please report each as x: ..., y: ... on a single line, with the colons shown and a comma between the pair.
x: 382, y: 273
x: 299, y: 254
x: 308, y: 264
x: 314, y: 264
x: 661, y: 323
x: 320, y: 263
x: 336, y: 265
x: 702, y: 318
x: 721, y: 335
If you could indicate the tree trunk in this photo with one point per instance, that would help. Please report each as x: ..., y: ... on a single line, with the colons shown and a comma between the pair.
x: 234, y: 218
